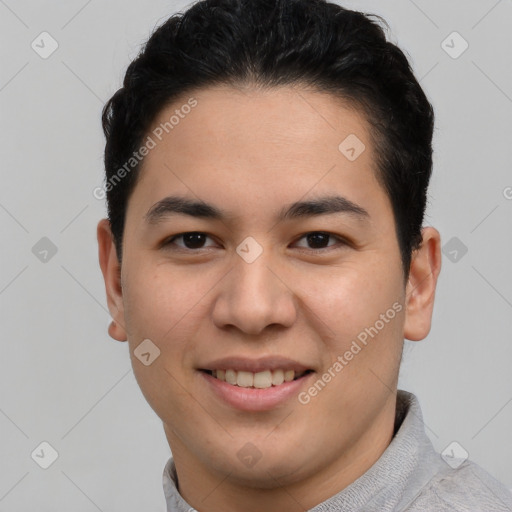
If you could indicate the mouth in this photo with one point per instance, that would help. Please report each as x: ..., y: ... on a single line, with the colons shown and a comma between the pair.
x: 256, y: 380
x: 254, y: 384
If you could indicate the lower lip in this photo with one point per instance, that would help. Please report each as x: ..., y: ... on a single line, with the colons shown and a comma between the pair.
x: 254, y: 399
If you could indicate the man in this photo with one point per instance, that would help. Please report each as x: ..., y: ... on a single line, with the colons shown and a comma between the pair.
x: 267, y: 165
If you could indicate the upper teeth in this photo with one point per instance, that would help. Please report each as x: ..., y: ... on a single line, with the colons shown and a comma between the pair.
x: 260, y: 380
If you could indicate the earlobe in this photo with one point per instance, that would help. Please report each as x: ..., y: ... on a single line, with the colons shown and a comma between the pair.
x: 421, y: 286
x: 110, y: 269
x: 117, y: 332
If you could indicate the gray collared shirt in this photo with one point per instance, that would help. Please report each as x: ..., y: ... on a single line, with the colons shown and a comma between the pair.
x: 409, y: 476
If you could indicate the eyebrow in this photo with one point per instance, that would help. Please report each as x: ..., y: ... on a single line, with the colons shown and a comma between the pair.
x: 176, y: 205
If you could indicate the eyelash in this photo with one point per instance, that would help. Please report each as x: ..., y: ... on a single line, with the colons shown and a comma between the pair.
x: 341, y: 242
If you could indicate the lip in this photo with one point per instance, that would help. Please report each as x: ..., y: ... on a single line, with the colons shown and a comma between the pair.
x: 255, y: 365
x: 253, y: 399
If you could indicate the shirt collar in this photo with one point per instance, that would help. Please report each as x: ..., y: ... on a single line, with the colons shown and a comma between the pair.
x: 393, y: 482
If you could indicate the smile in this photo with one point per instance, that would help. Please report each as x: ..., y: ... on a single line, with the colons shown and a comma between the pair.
x: 259, y: 380
x: 244, y: 394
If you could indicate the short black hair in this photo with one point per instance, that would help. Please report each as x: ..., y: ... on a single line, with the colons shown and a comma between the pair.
x: 269, y: 43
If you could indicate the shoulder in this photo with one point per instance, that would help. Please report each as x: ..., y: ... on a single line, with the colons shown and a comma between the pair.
x: 468, y: 488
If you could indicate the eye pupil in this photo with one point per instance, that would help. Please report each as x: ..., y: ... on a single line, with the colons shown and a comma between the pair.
x: 193, y: 240
x: 317, y: 239
x: 196, y: 239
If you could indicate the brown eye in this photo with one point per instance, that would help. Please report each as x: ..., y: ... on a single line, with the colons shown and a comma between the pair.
x: 191, y: 240
x: 320, y: 240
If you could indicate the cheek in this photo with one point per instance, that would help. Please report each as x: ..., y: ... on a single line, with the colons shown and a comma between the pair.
x: 157, y: 298
x: 349, y: 299
x: 363, y: 309
x: 163, y: 306
x: 168, y: 306
x: 168, y: 303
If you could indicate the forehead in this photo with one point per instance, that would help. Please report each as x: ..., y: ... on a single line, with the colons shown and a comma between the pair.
x: 288, y: 122
x: 260, y: 146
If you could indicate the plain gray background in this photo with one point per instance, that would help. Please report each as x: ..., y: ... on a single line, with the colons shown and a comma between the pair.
x: 63, y: 380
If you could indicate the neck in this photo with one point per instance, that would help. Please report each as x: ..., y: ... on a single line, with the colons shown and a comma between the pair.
x: 206, y: 488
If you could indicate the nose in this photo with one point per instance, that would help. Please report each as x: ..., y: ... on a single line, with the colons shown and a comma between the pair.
x: 254, y: 296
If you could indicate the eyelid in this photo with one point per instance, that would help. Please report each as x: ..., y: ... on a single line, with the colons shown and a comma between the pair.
x: 341, y: 241
x: 170, y: 240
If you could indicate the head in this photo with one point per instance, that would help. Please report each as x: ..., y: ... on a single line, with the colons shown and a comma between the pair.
x: 305, y: 143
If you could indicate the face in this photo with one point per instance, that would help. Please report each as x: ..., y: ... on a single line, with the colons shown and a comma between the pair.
x: 293, y: 267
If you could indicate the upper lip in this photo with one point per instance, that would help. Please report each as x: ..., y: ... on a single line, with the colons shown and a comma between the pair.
x: 255, y: 365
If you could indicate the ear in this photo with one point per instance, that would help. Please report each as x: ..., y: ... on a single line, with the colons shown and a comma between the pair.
x: 421, y: 286
x: 111, y: 270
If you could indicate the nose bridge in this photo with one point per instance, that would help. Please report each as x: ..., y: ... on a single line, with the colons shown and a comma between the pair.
x: 252, y: 296
x: 255, y: 280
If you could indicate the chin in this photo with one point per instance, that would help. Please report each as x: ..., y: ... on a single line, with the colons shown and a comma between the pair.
x: 265, y: 472
x: 266, y: 476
